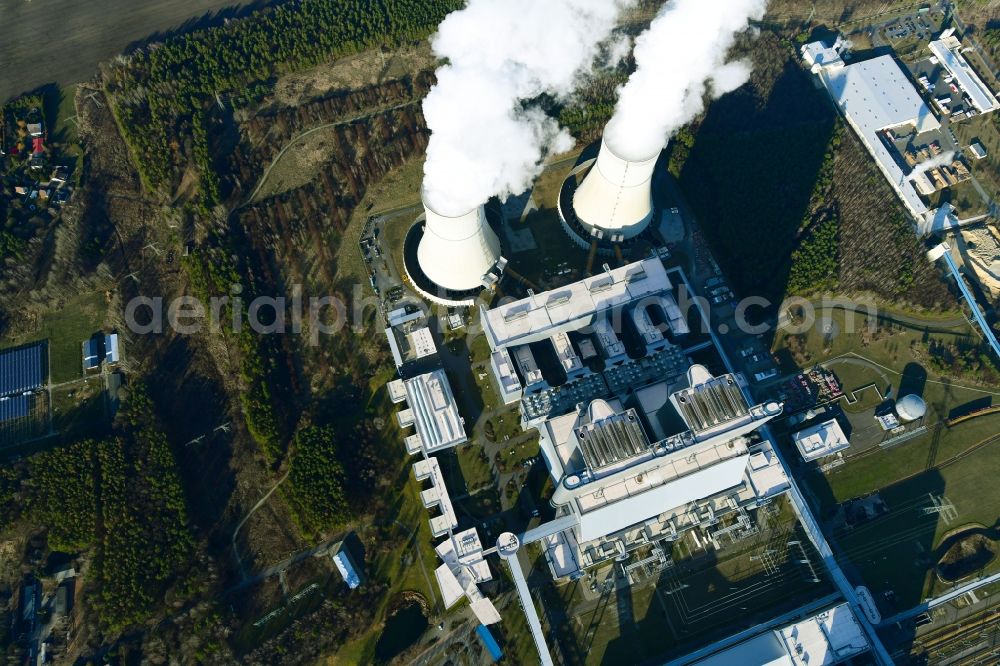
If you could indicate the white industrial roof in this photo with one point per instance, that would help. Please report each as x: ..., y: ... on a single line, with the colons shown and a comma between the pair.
x: 465, y: 549
x: 763, y: 650
x: 572, y: 307
x: 423, y: 342
x: 564, y: 352
x: 412, y: 443
x: 451, y: 589
x: 397, y: 392
x: 825, y: 639
x: 436, y: 495
x: 561, y: 549
x: 526, y: 364
x: 509, y: 382
x: 397, y: 357
x: 821, y: 440
x: 645, y: 496
x: 818, y: 53
x: 966, y: 79
x: 435, y: 412
x: 767, y: 475
x: 875, y: 95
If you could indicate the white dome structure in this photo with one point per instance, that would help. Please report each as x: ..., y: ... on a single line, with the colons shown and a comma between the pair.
x: 457, y: 252
x: 615, y: 199
x: 911, y: 407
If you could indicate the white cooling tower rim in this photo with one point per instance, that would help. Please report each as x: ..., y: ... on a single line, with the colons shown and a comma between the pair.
x: 624, y: 172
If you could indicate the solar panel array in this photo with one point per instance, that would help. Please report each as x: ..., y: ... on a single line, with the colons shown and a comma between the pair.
x: 22, y: 369
x: 14, y: 407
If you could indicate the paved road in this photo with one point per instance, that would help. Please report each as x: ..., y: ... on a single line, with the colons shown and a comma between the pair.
x: 303, y: 135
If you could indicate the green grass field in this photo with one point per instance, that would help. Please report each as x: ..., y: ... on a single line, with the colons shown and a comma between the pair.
x: 66, y: 327
x: 897, y: 550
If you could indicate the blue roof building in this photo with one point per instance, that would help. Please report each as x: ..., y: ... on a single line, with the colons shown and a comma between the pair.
x: 491, y: 643
x: 350, y: 572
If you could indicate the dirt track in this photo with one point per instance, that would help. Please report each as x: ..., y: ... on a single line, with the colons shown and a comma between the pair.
x: 62, y: 41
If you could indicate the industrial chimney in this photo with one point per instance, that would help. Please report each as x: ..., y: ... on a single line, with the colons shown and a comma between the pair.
x: 615, y: 202
x: 457, y: 253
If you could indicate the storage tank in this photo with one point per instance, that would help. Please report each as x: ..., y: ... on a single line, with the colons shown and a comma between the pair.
x: 615, y: 199
x: 456, y: 252
x: 911, y: 407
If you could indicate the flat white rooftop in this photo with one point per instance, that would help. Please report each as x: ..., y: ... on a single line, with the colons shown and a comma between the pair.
x: 875, y: 95
x: 435, y: 412
x: 564, y: 352
x: 436, y: 495
x: 504, y: 372
x: 397, y: 392
x: 465, y: 549
x: 947, y: 52
x: 825, y: 639
x: 821, y: 440
x: 423, y: 342
x: 526, y: 364
x: 828, y: 638
x: 611, y: 508
x: 574, y: 306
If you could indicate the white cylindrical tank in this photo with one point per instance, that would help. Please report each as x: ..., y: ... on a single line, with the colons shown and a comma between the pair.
x: 615, y: 198
x: 911, y: 407
x: 456, y: 252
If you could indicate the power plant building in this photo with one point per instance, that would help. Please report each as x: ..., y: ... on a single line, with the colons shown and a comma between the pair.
x: 821, y: 440
x: 641, y: 443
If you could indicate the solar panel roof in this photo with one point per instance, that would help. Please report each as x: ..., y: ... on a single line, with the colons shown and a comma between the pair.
x: 14, y: 407
x: 22, y: 369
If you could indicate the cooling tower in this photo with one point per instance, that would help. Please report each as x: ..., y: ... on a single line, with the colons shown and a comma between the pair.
x: 615, y: 201
x: 456, y: 252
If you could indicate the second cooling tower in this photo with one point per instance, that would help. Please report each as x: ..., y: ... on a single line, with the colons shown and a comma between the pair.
x: 615, y: 200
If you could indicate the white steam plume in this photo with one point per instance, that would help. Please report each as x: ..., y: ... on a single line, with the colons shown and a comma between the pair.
x: 944, y: 159
x: 680, y: 57
x: 499, y: 54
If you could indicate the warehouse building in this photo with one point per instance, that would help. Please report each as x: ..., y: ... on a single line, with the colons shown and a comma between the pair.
x: 431, y: 409
x: 948, y: 50
x: 878, y: 101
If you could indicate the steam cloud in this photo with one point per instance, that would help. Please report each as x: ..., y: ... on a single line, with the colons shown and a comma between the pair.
x: 944, y: 159
x: 680, y: 57
x: 500, y: 54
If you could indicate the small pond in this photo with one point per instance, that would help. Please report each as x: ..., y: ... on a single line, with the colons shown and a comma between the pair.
x: 402, y: 629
